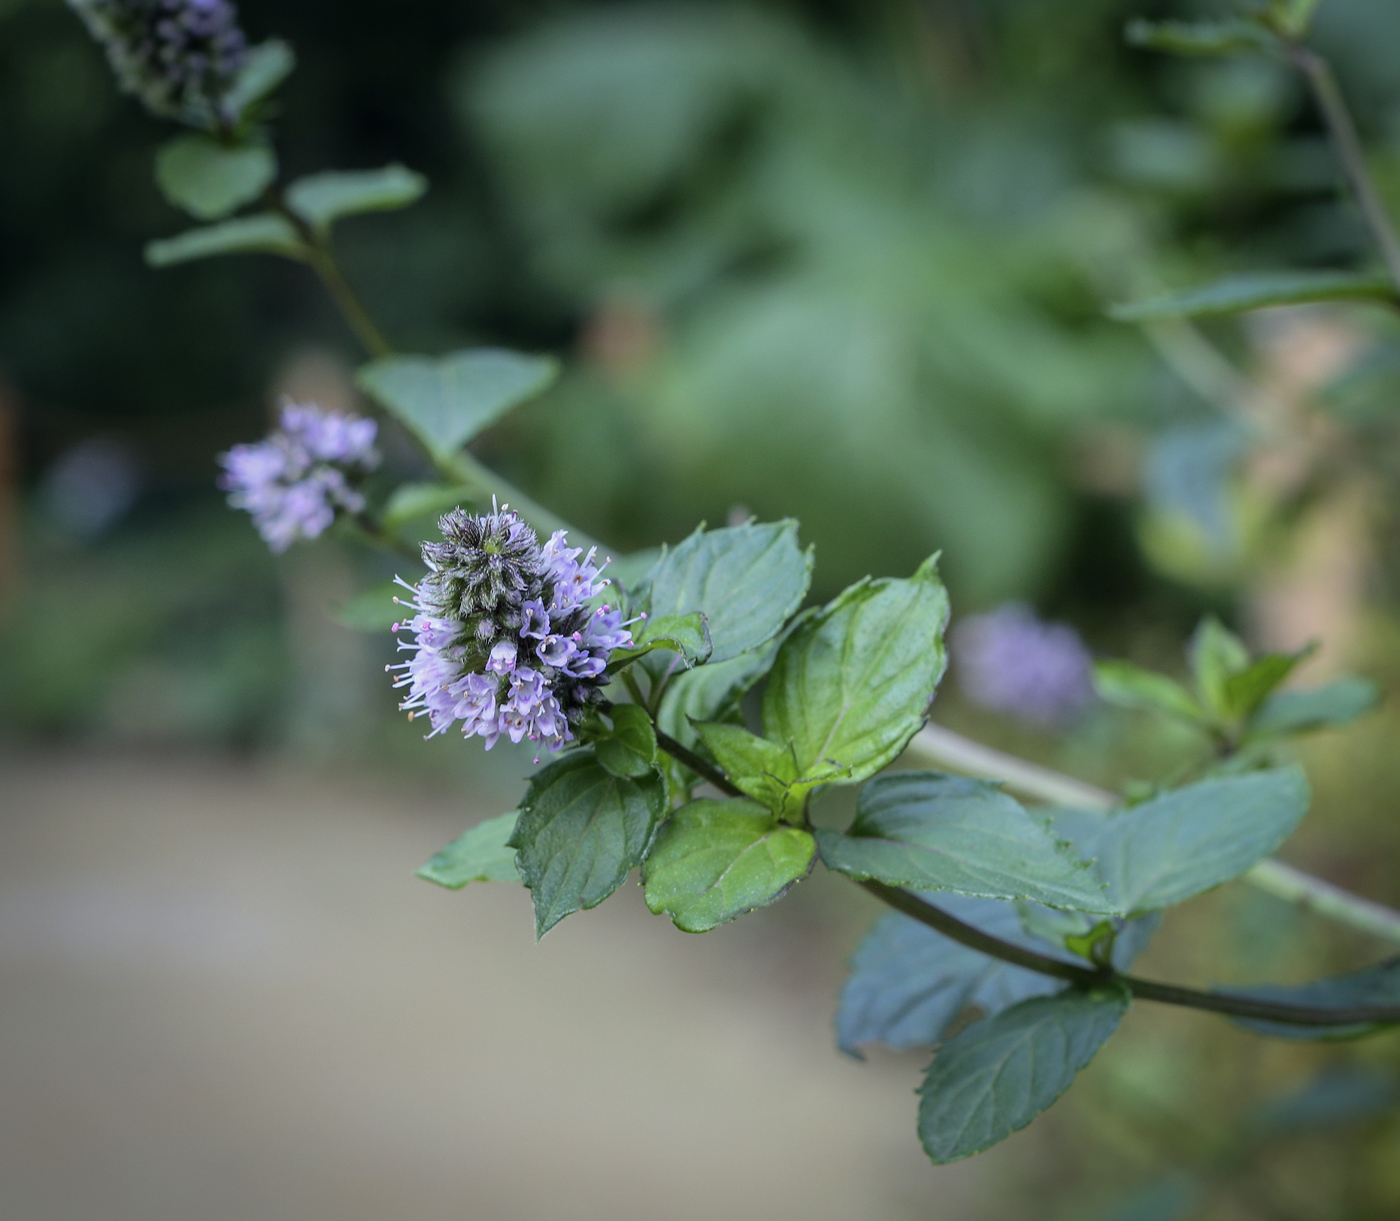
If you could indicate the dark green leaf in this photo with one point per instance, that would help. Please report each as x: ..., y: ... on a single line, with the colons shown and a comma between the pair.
x: 687, y: 635
x: 1129, y: 686
x: 746, y: 580
x: 1174, y: 1197
x: 1198, y: 37
x: 581, y: 831
x: 997, y: 1075
x: 909, y: 983
x: 937, y: 832
x: 1299, y: 711
x: 447, y: 402
x: 630, y: 750
x: 482, y: 854
x: 1165, y: 850
x: 263, y: 233
x: 710, y: 692
x: 1236, y: 294
x: 852, y: 683
x: 322, y: 199
x: 209, y: 179
x: 1379, y: 985
x: 373, y: 609
x: 715, y: 860
x: 267, y: 65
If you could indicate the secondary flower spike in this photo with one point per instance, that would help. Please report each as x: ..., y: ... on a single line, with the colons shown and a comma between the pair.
x: 295, y: 480
x: 505, y: 638
x: 1009, y: 661
x: 178, y: 56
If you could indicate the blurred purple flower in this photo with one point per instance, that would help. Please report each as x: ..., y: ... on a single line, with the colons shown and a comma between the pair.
x: 180, y: 57
x: 503, y: 638
x: 1010, y: 661
x: 294, y: 481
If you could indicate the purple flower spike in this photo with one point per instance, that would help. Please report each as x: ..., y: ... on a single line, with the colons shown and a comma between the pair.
x: 294, y: 481
x: 504, y: 639
x: 1009, y: 661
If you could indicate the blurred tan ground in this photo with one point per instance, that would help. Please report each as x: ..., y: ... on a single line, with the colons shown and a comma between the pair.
x: 223, y: 995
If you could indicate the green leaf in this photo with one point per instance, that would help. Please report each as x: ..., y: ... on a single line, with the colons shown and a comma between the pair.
x: 1198, y: 37
x: 412, y: 501
x: 630, y: 750
x: 746, y: 580
x: 1173, y: 1197
x: 1236, y: 294
x: 852, y: 683
x: 1378, y: 985
x: 1216, y: 655
x: 322, y: 199
x: 1000, y: 1073
x: 1190, y: 840
x: 581, y: 831
x: 266, y: 66
x: 716, y: 860
x: 448, y: 401
x: 1247, y: 690
x: 262, y: 233
x: 937, y: 832
x: 209, y: 179
x: 1337, y: 703
x: 710, y: 692
x: 687, y: 635
x: 1130, y: 686
x: 482, y: 854
x: 1291, y: 17
x: 373, y: 609
x: 763, y: 769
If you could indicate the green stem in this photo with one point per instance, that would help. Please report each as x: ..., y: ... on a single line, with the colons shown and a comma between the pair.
x: 323, y: 263
x: 1342, y: 132
x: 942, y: 748
x: 1142, y: 989
x: 375, y: 533
x: 701, y: 767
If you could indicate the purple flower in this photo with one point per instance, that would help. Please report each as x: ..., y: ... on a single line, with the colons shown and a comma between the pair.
x: 1009, y: 661
x: 294, y: 481
x: 180, y: 57
x: 491, y: 585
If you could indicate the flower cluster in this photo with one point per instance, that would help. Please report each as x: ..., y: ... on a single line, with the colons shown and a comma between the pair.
x: 1009, y: 661
x: 178, y: 56
x: 294, y: 481
x: 504, y: 637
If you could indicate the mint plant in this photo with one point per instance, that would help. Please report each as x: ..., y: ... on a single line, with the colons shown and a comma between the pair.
x: 694, y: 712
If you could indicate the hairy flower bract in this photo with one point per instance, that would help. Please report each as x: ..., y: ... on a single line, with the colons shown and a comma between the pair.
x: 294, y: 481
x: 506, y: 638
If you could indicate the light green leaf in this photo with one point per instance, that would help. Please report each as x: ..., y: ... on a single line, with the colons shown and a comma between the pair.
x: 266, y: 66
x: 1247, y: 690
x: 998, y: 1074
x: 412, y: 501
x: 852, y: 683
x: 630, y: 750
x: 687, y: 635
x: 373, y: 609
x: 1187, y: 841
x: 716, y: 860
x: 1198, y: 37
x: 448, y: 401
x: 1291, y: 17
x: 763, y: 769
x: 1216, y: 655
x: 481, y: 854
x: 746, y: 580
x: 262, y: 233
x: 936, y: 832
x: 1337, y: 703
x: 209, y: 179
x: 1130, y: 686
x: 581, y: 831
x: 1236, y: 294
x: 322, y: 199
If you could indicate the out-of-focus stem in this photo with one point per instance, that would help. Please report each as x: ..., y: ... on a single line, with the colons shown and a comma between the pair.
x: 942, y: 748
